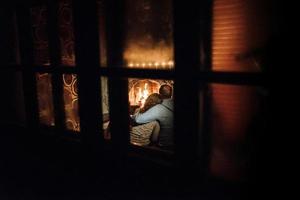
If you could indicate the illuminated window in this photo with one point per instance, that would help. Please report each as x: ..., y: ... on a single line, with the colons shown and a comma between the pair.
x: 44, y: 92
x: 148, y: 44
x: 148, y: 35
x: 71, y: 102
x: 210, y: 56
x: 66, y: 32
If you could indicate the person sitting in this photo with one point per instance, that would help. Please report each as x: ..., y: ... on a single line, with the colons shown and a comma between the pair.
x: 163, y: 113
x: 145, y: 133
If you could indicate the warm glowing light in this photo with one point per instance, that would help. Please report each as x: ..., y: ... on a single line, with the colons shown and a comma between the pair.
x: 140, y: 90
x: 150, y: 64
x: 170, y: 63
x: 139, y: 94
x: 142, y: 95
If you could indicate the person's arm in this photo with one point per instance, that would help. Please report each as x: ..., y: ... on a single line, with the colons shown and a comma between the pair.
x: 148, y: 116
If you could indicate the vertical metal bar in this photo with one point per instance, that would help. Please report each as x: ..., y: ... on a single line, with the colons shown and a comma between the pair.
x: 118, y: 87
x: 186, y: 94
x: 27, y: 60
x: 55, y: 60
x: 87, y: 61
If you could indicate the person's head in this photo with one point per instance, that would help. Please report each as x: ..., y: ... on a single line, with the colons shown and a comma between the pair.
x: 152, y: 100
x: 165, y: 91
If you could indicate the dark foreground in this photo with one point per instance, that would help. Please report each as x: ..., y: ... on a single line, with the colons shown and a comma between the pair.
x: 40, y: 169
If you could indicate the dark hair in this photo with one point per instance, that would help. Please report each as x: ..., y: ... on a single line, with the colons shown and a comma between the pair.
x: 165, y: 91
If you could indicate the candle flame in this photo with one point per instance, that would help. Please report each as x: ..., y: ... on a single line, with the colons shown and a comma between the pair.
x: 157, y: 64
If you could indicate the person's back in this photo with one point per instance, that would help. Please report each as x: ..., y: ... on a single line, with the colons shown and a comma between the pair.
x: 166, y: 120
x: 163, y: 113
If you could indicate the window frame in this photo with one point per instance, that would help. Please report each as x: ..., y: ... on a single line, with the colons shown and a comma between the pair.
x: 189, y: 73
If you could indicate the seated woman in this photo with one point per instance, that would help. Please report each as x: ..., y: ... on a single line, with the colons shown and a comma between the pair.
x: 145, y: 134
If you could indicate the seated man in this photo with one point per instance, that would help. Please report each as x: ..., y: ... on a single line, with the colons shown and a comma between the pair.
x: 163, y: 113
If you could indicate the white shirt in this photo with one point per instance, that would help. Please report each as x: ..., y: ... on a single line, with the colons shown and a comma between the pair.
x: 163, y: 113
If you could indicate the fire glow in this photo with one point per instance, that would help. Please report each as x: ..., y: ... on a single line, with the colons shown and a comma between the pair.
x: 140, y: 91
x: 142, y: 95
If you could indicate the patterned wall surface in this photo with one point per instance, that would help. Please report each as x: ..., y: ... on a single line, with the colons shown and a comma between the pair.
x: 105, y: 106
x: 39, y: 33
x: 66, y: 32
x: 104, y: 95
x: 45, y: 100
x: 71, y: 102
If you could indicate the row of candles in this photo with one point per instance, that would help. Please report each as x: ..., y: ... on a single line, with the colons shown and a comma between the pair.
x: 151, y: 64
